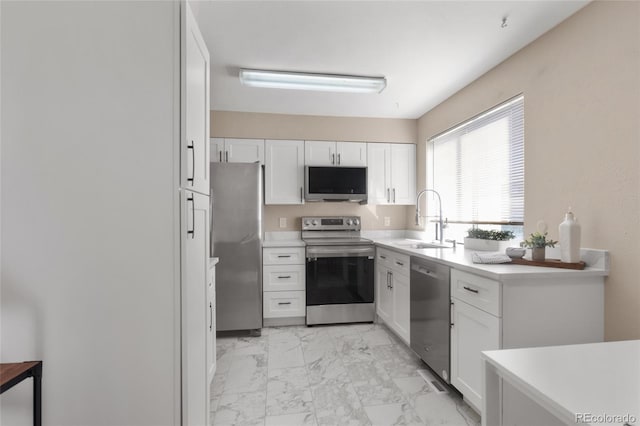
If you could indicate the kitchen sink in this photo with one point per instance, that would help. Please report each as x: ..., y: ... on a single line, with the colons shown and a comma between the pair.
x: 423, y: 245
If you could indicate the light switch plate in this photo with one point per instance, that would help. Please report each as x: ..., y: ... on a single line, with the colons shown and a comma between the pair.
x: 283, y: 222
x: 387, y: 221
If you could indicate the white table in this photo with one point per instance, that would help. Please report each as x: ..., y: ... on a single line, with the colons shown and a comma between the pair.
x: 569, y: 382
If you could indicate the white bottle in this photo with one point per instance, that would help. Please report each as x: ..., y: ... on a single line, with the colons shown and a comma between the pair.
x: 569, y: 231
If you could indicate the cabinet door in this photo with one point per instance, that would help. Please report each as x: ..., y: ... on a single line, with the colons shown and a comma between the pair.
x: 403, y: 173
x: 195, y: 307
x: 384, y: 298
x: 284, y: 172
x: 351, y: 154
x: 211, y: 329
x: 244, y: 150
x: 379, y: 173
x: 195, y: 143
x: 401, y: 302
x: 216, y: 150
x: 473, y: 331
x: 320, y: 153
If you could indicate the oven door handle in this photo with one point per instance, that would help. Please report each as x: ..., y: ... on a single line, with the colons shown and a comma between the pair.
x: 340, y: 251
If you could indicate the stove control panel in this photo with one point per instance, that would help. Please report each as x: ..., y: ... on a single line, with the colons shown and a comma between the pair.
x: 331, y: 223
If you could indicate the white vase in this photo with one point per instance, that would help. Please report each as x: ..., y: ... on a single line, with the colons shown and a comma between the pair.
x: 569, y: 231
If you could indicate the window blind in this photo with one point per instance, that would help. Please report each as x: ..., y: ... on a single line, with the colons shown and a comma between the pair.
x: 478, y: 166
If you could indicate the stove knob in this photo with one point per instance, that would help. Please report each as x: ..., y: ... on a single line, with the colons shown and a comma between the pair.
x: 348, y: 222
x: 307, y: 222
x: 314, y: 222
x: 356, y: 222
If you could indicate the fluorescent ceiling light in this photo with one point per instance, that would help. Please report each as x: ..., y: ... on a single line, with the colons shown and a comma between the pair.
x: 310, y: 81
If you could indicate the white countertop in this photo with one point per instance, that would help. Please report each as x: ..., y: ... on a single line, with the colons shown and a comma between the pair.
x: 595, y: 378
x: 459, y: 258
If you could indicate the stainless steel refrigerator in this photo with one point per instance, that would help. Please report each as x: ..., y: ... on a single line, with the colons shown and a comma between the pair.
x: 236, y: 238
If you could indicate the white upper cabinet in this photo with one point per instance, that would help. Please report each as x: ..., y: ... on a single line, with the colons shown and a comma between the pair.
x: 284, y: 172
x: 330, y: 153
x: 351, y: 154
x: 237, y: 150
x: 391, y: 173
x: 403, y: 173
x: 320, y: 153
x: 195, y: 145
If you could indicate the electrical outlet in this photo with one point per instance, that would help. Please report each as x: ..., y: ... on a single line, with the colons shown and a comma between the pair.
x: 387, y: 221
x: 283, y: 222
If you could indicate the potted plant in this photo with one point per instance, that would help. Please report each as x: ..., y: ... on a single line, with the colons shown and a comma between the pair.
x: 482, y: 239
x: 537, y: 242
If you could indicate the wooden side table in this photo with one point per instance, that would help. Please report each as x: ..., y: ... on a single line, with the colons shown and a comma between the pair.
x: 13, y: 373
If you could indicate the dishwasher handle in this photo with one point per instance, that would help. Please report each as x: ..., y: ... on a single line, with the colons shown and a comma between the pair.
x: 424, y: 271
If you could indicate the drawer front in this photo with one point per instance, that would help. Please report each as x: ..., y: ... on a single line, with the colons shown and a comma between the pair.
x: 477, y: 291
x: 283, y: 256
x: 383, y: 257
x: 282, y: 304
x: 401, y: 263
x: 283, y: 277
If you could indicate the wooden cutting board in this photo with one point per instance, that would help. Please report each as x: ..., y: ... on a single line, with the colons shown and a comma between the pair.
x: 550, y: 263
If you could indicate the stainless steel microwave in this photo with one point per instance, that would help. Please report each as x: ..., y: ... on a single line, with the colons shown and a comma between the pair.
x: 335, y: 184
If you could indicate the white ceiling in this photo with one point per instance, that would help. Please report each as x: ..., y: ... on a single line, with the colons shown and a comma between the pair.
x: 427, y: 50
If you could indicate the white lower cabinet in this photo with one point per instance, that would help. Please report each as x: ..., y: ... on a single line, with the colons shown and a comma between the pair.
x: 514, y: 313
x: 473, y: 331
x: 211, y: 326
x: 392, y: 291
x: 283, y: 284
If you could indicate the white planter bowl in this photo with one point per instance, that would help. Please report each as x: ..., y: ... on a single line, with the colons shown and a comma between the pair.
x: 488, y: 245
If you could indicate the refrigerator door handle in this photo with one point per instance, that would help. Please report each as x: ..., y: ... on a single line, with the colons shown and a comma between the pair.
x: 192, y: 232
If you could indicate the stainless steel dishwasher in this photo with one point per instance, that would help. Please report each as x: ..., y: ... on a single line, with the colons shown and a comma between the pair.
x: 430, y: 314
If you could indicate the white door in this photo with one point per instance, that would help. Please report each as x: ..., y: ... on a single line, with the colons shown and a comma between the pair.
x: 384, y: 297
x: 320, y: 153
x: 284, y: 172
x: 244, y: 150
x: 195, y: 307
x: 351, y: 154
x: 473, y: 331
x: 216, y: 150
x: 401, y: 302
x: 195, y: 145
x: 379, y: 173
x: 403, y: 173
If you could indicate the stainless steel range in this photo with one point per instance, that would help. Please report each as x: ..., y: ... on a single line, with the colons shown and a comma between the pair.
x: 339, y: 270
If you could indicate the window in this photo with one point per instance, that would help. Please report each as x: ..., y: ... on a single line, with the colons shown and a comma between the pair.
x: 478, y: 169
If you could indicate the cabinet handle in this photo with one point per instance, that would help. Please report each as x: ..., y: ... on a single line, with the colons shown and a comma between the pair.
x: 301, y: 196
x: 388, y: 195
x: 399, y: 263
x: 284, y: 303
x: 220, y: 156
x: 391, y: 280
x: 193, y: 218
x: 472, y: 290
x: 383, y: 257
x: 193, y: 162
x: 388, y: 285
x: 333, y: 159
x: 284, y: 255
x: 210, y: 316
x: 226, y: 156
x: 338, y: 159
x: 394, y: 195
x: 283, y: 277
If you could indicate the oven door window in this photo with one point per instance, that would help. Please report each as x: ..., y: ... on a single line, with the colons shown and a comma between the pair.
x: 339, y: 280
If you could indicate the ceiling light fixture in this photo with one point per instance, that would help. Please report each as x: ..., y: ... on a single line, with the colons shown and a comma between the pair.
x: 312, y: 81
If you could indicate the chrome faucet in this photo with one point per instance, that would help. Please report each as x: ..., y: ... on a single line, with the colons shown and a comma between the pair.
x: 440, y: 221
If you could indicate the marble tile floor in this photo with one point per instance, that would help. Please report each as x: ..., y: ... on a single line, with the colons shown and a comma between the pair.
x: 357, y: 374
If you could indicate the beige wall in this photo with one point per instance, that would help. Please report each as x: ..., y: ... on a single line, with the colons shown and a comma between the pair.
x: 282, y: 126
x: 581, y: 83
